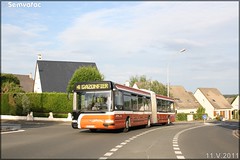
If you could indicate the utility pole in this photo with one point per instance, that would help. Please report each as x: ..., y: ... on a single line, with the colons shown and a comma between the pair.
x: 168, y: 82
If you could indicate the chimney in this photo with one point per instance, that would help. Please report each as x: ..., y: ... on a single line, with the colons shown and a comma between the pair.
x: 30, y: 75
x: 39, y: 56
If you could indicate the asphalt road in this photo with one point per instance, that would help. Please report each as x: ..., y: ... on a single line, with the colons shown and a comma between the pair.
x: 180, y: 140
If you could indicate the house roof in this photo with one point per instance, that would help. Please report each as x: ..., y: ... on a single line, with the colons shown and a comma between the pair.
x: 55, y: 75
x: 26, y: 82
x: 216, y: 99
x: 183, y: 99
x: 230, y: 98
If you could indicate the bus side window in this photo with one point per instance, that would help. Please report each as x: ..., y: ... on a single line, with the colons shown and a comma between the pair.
x: 140, y: 103
x: 118, y: 99
x: 127, y: 102
x: 134, y: 101
x: 147, y: 104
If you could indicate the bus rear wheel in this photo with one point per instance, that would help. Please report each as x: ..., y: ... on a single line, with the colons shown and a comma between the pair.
x: 126, y: 129
x: 148, y: 123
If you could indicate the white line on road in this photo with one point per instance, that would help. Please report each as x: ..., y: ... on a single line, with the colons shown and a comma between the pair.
x: 12, y: 131
x: 175, y: 142
x: 108, y: 154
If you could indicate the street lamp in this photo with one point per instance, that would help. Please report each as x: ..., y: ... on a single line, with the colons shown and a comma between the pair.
x: 168, y: 83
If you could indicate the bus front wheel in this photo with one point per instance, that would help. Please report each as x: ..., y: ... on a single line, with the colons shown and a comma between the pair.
x: 168, y: 121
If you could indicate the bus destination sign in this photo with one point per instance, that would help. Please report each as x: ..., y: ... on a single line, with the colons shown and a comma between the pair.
x: 93, y: 86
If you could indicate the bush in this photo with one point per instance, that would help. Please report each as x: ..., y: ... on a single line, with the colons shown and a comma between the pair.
x: 6, y: 106
x: 60, y: 115
x: 23, y: 103
x: 38, y: 114
x: 198, y: 116
x: 182, y: 116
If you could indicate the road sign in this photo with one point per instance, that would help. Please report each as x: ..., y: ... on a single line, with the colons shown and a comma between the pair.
x: 204, y: 117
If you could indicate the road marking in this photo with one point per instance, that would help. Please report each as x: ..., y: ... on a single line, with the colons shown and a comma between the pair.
x: 178, y: 152
x: 114, y: 149
x: 176, y: 148
x: 180, y: 157
x: 12, y: 131
x: 118, y: 146
x: 235, y: 133
x: 110, y: 153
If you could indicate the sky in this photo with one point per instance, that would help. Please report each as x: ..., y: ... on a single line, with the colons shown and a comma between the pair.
x: 128, y: 38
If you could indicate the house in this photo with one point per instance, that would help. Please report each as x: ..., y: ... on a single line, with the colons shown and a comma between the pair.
x: 185, y: 102
x: 234, y: 101
x: 26, y: 82
x: 53, y: 76
x: 214, y: 103
x: 235, y: 109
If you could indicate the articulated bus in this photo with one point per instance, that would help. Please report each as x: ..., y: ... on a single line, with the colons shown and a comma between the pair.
x: 107, y: 105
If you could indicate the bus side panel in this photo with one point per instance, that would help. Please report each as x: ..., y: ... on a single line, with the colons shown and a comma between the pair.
x: 163, y: 117
x: 139, y: 118
x: 136, y: 119
x: 172, y: 117
x: 120, y: 119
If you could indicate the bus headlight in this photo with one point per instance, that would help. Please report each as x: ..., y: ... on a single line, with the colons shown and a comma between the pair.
x: 108, y: 122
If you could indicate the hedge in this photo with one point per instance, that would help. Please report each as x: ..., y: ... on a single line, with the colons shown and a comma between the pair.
x: 182, y: 116
x: 41, y: 103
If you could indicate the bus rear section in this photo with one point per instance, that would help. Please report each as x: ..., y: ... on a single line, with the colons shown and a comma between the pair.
x: 165, y: 110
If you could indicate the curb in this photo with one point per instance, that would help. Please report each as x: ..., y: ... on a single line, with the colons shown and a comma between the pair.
x: 10, y: 127
x: 14, y: 127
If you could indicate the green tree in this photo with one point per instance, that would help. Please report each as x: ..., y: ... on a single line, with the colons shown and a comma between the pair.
x: 84, y: 74
x: 10, y: 84
x: 148, y: 84
x: 200, y: 112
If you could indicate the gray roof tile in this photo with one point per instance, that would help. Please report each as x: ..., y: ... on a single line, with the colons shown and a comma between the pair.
x: 55, y: 75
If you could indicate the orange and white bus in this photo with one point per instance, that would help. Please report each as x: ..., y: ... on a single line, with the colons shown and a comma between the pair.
x: 108, y: 105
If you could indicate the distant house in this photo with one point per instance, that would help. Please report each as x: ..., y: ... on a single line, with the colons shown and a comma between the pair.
x: 235, y: 103
x: 53, y: 76
x: 235, y: 106
x: 185, y: 102
x: 26, y: 82
x: 214, y: 102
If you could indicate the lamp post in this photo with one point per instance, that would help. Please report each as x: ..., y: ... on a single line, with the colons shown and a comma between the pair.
x: 168, y: 83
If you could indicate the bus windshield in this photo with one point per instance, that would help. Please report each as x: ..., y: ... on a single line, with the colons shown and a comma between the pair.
x: 94, y: 101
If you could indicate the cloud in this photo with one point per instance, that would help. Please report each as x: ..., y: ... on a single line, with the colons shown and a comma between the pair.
x: 133, y: 28
x: 131, y: 38
x: 20, y: 47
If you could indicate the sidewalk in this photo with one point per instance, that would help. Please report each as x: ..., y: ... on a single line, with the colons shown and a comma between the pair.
x: 9, y: 127
x: 11, y: 123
